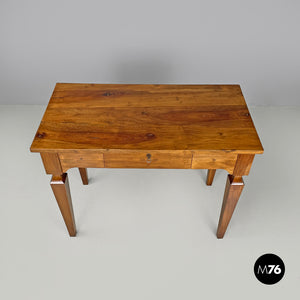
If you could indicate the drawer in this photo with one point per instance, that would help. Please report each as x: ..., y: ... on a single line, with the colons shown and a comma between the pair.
x: 154, y: 159
x: 81, y: 159
x: 214, y: 160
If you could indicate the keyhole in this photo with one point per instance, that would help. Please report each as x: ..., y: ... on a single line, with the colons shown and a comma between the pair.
x: 148, y: 158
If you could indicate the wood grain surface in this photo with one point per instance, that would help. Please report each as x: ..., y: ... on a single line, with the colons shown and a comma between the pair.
x: 148, y: 159
x: 147, y: 117
x: 81, y: 159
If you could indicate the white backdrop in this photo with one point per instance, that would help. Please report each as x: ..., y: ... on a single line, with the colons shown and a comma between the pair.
x: 254, y: 43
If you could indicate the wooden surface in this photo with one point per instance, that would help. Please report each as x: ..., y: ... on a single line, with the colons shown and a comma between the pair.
x: 51, y: 163
x: 214, y: 160
x: 147, y: 117
x: 80, y: 159
x: 243, y: 164
x: 148, y: 159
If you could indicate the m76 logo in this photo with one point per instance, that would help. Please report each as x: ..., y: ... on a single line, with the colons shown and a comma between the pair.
x: 269, y: 269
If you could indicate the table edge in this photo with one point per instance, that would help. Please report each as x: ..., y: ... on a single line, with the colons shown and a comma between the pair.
x: 52, y: 150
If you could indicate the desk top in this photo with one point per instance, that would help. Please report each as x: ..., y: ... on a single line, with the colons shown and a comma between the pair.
x: 146, y: 117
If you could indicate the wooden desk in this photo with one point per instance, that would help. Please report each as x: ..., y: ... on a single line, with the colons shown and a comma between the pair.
x: 147, y: 126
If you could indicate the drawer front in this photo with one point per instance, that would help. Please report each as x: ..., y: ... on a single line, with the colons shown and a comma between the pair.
x: 151, y: 159
x: 214, y: 160
x: 80, y: 159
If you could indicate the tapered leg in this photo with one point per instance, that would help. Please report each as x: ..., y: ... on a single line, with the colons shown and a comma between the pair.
x: 210, y: 176
x: 61, y: 190
x: 233, y: 190
x: 84, y: 176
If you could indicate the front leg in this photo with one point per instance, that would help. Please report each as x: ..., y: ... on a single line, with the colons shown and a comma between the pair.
x: 233, y: 190
x: 61, y: 190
